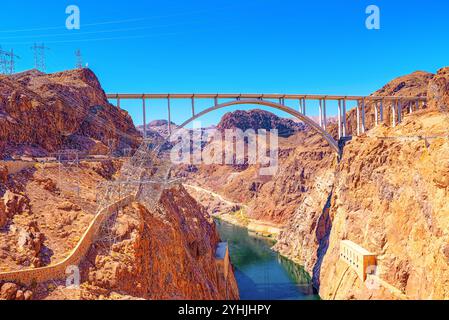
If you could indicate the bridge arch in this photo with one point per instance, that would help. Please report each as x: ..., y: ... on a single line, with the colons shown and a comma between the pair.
x: 329, y: 139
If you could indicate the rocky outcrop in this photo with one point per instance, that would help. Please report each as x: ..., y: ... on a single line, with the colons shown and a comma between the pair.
x: 388, y: 195
x: 438, y: 91
x: 165, y: 253
x: 391, y: 198
x: 42, y: 113
x: 11, y: 291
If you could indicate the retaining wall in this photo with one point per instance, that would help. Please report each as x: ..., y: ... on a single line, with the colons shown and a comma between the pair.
x: 58, y: 271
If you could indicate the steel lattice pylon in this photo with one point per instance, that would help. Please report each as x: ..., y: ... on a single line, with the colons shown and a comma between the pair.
x: 145, y: 175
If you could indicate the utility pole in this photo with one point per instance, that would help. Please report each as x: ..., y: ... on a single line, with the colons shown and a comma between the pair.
x: 39, y: 56
x: 7, y: 61
x: 79, y: 59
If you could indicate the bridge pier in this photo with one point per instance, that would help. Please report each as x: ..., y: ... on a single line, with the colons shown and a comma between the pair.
x: 193, y: 105
x: 169, y: 115
x: 144, y: 118
x: 322, y: 120
x: 399, y: 111
x: 358, y: 117
x: 363, y: 115
x: 381, y: 111
x: 393, y: 113
x: 340, y: 129
x: 376, y: 113
x: 345, y: 121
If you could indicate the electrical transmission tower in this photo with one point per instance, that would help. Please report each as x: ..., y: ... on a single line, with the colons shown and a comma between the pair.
x: 39, y: 56
x: 79, y: 59
x: 7, y: 61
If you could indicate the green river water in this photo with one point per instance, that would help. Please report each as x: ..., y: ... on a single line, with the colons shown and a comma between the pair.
x: 261, y: 273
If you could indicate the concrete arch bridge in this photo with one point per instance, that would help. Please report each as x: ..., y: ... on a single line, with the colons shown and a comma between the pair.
x: 278, y: 101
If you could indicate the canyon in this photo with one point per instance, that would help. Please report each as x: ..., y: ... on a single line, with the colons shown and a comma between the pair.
x: 388, y: 193
x: 49, y: 204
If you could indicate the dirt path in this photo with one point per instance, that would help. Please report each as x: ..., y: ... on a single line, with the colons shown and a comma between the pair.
x: 215, y: 195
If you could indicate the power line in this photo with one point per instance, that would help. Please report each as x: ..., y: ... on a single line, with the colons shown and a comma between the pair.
x: 7, y: 61
x: 79, y: 59
x: 39, y: 56
x: 102, y: 23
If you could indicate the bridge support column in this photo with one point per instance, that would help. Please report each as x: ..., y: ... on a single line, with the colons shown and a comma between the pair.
x: 193, y: 106
x: 399, y: 111
x: 358, y: 117
x: 169, y: 115
x: 363, y: 115
x: 118, y: 103
x: 393, y: 113
x: 340, y: 129
x: 321, y: 114
x: 324, y: 114
x: 144, y: 112
x: 376, y: 113
x: 345, y: 122
x: 381, y: 111
x: 417, y: 105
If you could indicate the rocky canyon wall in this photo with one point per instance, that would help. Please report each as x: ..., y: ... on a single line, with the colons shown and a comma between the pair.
x: 389, y: 194
x: 43, y: 113
x: 164, y: 253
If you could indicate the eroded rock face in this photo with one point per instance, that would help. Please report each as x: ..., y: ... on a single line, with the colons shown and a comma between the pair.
x: 438, y: 91
x: 305, y: 237
x: 391, y: 198
x: 165, y: 253
x: 41, y: 113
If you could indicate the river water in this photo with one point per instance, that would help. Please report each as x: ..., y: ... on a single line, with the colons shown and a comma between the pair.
x: 261, y: 273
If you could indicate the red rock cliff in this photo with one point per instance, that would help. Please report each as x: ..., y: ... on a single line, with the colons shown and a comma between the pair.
x: 41, y: 113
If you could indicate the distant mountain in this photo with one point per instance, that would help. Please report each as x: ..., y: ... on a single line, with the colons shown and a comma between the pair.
x: 158, y: 128
x: 259, y: 119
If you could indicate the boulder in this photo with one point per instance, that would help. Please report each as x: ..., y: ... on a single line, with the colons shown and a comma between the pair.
x: 20, y: 296
x: 15, y: 203
x: 8, y: 291
x: 28, y: 295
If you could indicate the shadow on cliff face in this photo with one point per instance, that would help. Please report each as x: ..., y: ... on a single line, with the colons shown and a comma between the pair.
x: 322, y: 233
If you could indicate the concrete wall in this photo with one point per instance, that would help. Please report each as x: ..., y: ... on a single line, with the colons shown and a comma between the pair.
x: 17, y: 166
x: 58, y: 271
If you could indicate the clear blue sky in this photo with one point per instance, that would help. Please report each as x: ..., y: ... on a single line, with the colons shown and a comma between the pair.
x: 269, y: 46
